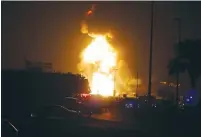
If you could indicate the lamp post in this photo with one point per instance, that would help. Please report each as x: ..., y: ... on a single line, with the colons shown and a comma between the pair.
x: 114, y: 69
x: 179, y: 28
x: 151, y: 49
x: 177, y: 73
x: 136, y: 84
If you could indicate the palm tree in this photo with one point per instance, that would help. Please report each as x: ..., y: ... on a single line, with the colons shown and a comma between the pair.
x: 189, y: 52
x: 187, y: 57
x: 176, y: 66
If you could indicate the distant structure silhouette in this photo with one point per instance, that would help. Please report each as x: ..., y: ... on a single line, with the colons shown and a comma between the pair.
x: 38, y: 66
x: 24, y: 91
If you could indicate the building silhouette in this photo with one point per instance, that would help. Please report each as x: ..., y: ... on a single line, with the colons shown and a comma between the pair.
x: 38, y: 66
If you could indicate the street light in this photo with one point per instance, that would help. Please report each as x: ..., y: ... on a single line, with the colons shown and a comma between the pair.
x: 151, y: 48
x: 179, y: 28
x: 114, y: 70
x: 177, y: 73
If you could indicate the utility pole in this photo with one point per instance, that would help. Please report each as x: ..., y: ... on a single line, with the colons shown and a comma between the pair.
x: 114, y: 69
x: 179, y: 28
x: 136, y: 84
x: 151, y: 49
x: 177, y: 73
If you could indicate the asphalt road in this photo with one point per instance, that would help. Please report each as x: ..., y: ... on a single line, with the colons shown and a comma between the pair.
x: 113, y: 124
x: 90, y: 127
x: 155, y: 123
x: 107, y: 116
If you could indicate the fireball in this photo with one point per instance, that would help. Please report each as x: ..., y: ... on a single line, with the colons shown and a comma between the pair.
x: 99, y: 64
x: 103, y: 58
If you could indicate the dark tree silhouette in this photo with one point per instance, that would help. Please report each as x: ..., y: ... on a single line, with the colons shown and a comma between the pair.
x: 23, y: 91
x: 187, y: 57
x: 83, y: 84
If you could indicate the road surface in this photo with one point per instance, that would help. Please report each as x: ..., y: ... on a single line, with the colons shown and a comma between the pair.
x: 107, y: 116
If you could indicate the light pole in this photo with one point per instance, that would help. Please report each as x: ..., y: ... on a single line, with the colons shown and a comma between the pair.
x: 114, y: 69
x: 136, y: 84
x: 151, y: 49
x: 177, y: 73
x: 179, y: 28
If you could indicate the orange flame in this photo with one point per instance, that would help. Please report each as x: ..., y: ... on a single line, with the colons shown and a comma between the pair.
x: 84, y: 26
x: 89, y: 12
x: 103, y: 57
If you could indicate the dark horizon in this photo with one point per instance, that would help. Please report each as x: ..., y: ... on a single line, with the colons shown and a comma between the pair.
x: 50, y: 32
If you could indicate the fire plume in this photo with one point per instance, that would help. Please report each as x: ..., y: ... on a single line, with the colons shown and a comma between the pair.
x: 99, y: 64
x: 102, y: 56
x: 84, y: 25
x: 89, y: 12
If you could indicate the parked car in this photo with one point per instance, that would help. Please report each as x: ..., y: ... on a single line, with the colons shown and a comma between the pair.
x: 78, y: 105
x: 55, y: 112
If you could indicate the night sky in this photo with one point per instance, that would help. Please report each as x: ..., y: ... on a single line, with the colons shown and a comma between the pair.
x: 50, y: 32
